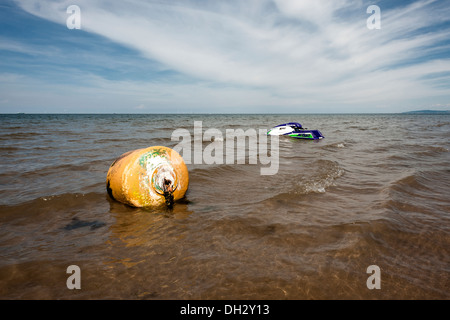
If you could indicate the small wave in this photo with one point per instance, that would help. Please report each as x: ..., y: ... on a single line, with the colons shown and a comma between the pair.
x: 363, y: 128
x: 66, y: 197
x: 219, y: 139
x: 335, y: 146
x: 398, y: 158
x: 10, y: 148
x: 422, y: 194
x: 217, y: 172
x: 407, y: 185
x: 431, y: 150
x: 326, y: 178
x: 235, y: 126
x: 223, y: 136
x: 66, y: 168
x: 50, y: 204
x: 206, y: 140
x: 320, y: 177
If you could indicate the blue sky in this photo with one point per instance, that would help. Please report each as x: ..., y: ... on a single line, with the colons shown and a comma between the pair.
x: 235, y: 56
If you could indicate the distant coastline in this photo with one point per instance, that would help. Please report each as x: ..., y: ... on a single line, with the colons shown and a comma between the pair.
x: 428, y: 112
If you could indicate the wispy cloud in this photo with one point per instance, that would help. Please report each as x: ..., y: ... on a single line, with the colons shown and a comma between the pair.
x: 282, y: 52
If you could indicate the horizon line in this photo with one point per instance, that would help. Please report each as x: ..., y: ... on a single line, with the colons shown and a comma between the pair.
x: 214, y: 113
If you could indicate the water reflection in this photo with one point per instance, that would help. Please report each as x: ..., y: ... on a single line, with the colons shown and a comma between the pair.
x: 137, y: 232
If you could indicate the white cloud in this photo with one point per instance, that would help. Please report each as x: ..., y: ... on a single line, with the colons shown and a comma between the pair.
x: 286, y: 51
x: 318, y: 12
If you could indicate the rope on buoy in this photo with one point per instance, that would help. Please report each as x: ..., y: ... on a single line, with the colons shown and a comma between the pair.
x: 168, y: 193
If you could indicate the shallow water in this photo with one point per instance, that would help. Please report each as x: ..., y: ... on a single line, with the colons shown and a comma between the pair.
x: 375, y: 191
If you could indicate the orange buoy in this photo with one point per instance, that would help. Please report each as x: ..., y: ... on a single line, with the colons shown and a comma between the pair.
x: 148, y: 177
